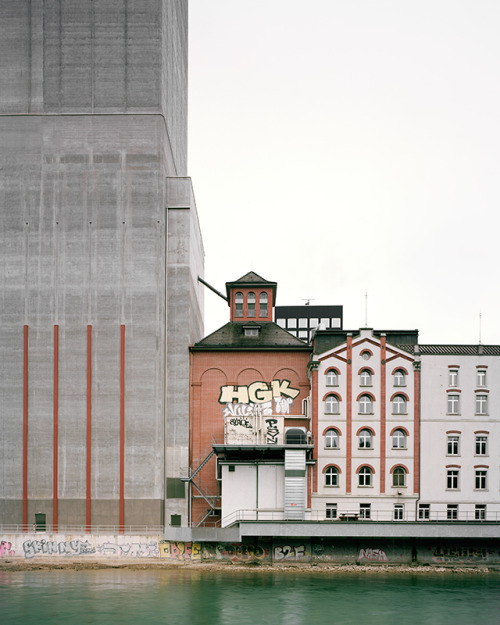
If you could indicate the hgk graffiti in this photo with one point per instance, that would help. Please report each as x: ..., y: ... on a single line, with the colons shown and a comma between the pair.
x: 6, y: 549
x: 51, y: 548
x: 257, y: 392
x: 374, y: 555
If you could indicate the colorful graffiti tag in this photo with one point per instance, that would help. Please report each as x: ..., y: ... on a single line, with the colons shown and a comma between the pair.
x: 235, y: 552
x: 77, y: 547
x: 180, y: 551
x: 6, y: 549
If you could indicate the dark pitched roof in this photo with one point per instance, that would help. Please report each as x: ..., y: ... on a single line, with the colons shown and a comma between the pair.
x: 460, y: 350
x: 232, y: 336
x: 250, y: 279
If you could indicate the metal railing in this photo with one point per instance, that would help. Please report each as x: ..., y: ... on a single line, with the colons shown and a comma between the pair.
x: 112, y: 530
x: 358, y: 515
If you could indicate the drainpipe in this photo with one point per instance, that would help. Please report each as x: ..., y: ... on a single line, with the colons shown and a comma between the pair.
x: 257, y: 490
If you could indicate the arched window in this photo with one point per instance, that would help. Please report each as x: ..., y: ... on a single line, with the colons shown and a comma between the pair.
x: 263, y: 305
x: 399, y: 378
x: 399, y: 477
x: 399, y: 439
x: 331, y: 476
x: 365, y: 404
x: 238, y: 304
x: 295, y: 436
x: 365, y: 476
x: 365, y: 439
x: 399, y: 405
x: 366, y: 378
x: 332, y: 378
x: 332, y: 404
x: 332, y: 439
x: 251, y: 304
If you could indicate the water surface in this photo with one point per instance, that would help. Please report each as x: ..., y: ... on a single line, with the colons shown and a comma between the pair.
x: 195, y: 597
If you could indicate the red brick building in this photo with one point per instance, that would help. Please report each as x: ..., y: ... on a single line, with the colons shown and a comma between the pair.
x: 250, y: 441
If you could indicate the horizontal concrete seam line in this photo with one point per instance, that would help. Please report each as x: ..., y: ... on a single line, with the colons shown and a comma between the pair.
x: 100, y: 115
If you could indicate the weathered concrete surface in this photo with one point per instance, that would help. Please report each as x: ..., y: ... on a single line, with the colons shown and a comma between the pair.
x: 93, y: 107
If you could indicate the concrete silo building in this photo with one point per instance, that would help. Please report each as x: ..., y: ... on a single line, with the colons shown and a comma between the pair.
x: 100, y: 252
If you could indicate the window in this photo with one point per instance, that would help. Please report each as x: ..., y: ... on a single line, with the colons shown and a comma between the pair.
x: 452, y: 479
x: 332, y: 378
x: 238, y: 305
x: 481, y: 403
x: 302, y: 323
x: 481, y: 377
x: 453, y: 403
x: 366, y: 378
x: 480, y: 483
x: 332, y: 439
x: 365, y: 510
x: 399, y: 477
x: 424, y: 511
x: 332, y: 404
x: 365, y: 439
x: 399, y: 378
x: 251, y: 331
x: 399, y: 439
x: 251, y: 305
x: 452, y: 512
x: 453, y: 445
x: 453, y: 377
x: 365, y: 476
x: 399, y: 512
x: 399, y: 405
x: 366, y: 355
x: 481, y: 445
x: 292, y: 323
x: 331, y: 511
x: 263, y: 305
x: 331, y: 476
x: 480, y: 512
x: 365, y: 404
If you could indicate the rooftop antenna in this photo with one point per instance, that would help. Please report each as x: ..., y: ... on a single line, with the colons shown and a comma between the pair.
x: 480, y: 319
x: 307, y: 300
x: 366, y: 309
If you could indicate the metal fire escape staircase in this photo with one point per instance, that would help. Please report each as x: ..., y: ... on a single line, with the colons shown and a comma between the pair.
x: 213, y: 510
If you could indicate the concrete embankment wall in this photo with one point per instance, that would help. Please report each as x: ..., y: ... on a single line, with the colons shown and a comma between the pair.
x: 276, y: 550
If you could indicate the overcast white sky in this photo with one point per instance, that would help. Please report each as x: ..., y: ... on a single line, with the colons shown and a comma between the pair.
x: 344, y: 146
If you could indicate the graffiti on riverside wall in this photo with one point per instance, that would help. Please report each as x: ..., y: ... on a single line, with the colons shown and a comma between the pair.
x: 373, y: 555
x: 235, y: 552
x: 292, y: 552
x: 459, y: 555
x: 181, y: 551
x: 6, y: 549
x: 76, y: 547
x: 130, y: 550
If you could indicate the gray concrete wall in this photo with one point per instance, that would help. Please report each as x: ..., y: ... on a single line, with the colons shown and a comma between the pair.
x: 92, y: 121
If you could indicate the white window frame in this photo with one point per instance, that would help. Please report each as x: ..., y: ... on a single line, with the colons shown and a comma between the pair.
x: 480, y: 512
x: 452, y: 479
x: 453, y: 377
x: 332, y: 404
x: 365, y: 439
x: 399, y: 472
x: 399, y: 439
x: 481, y: 445
x: 481, y: 377
x: 399, y: 405
x: 365, y: 378
x: 365, y: 404
x: 399, y: 512
x: 331, y: 511
x: 481, y: 404
x: 331, y: 476
x: 453, y: 400
x: 424, y: 511
x: 481, y: 479
x: 332, y: 436
x: 332, y: 378
x: 365, y: 511
x: 399, y: 378
x: 453, y: 445
x: 452, y: 512
x: 365, y: 477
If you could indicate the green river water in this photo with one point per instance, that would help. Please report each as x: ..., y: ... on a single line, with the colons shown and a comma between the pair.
x: 195, y: 597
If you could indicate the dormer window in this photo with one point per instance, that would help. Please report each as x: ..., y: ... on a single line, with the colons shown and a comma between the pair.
x: 238, y: 304
x: 251, y: 331
x: 251, y: 304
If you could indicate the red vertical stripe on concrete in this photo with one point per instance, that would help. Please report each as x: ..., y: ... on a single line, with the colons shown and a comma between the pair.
x: 89, y: 426
x: 122, y: 427
x: 382, y: 413
x: 25, y: 431
x: 416, y: 429
x: 56, y: 426
x: 348, y: 461
x: 314, y: 417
